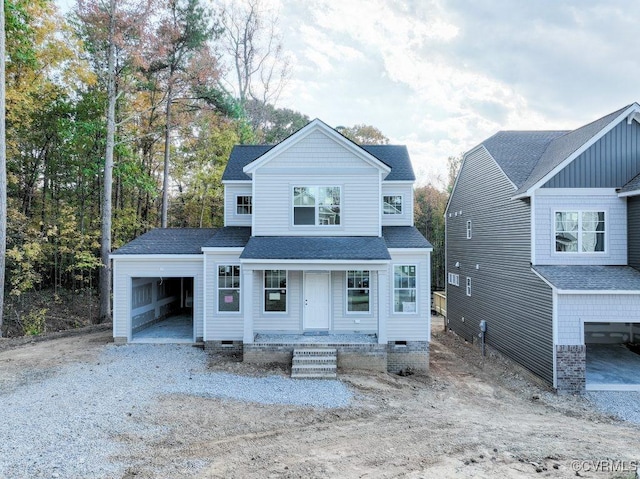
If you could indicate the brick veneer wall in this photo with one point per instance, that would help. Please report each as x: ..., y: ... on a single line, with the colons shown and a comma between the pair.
x: 571, y: 362
x: 412, y: 355
x: 223, y: 347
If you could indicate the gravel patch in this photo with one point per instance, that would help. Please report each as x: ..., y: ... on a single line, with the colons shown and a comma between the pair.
x: 624, y: 405
x: 66, y: 425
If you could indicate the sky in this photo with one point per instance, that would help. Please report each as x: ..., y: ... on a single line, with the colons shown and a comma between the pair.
x: 440, y: 76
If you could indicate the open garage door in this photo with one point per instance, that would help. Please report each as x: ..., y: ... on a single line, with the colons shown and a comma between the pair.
x: 162, y: 310
x: 613, y: 356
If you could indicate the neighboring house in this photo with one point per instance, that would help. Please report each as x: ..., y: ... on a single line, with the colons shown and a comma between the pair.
x: 318, y: 246
x: 543, y: 243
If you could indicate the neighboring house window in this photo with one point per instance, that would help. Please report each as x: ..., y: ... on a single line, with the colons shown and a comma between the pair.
x: 404, y: 289
x: 358, y: 291
x: 469, y: 229
x: 468, y: 286
x: 316, y: 205
x: 580, y: 231
x: 392, y: 205
x: 275, y: 290
x: 243, y: 204
x: 454, y: 279
x: 228, y: 288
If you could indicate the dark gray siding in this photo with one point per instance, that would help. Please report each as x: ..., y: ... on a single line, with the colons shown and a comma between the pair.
x: 609, y: 163
x: 516, y: 304
x: 633, y: 230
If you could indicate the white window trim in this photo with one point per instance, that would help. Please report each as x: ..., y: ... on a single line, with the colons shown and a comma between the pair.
x: 469, y: 230
x: 346, y: 293
x: 468, y: 286
x: 401, y: 206
x: 453, y: 279
x: 565, y: 254
x: 236, y: 313
x: 317, y: 207
x: 393, y: 290
x: 235, y: 212
x: 264, y: 290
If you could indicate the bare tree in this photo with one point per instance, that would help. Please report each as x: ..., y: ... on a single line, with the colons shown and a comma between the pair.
x: 3, y: 165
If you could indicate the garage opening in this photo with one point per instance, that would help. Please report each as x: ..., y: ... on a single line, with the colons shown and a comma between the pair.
x: 162, y: 310
x: 613, y: 356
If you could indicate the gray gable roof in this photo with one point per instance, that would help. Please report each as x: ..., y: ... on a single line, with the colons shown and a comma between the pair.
x: 359, y: 248
x: 633, y: 185
x: 394, y: 156
x: 229, y: 237
x: 404, y: 237
x: 168, y: 241
x: 583, y: 277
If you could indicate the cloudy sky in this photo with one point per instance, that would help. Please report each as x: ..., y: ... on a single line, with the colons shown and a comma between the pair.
x: 442, y: 75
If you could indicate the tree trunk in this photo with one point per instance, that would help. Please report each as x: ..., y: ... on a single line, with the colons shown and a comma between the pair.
x: 105, y: 245
x: 3, y: 166
x: 167, y: 147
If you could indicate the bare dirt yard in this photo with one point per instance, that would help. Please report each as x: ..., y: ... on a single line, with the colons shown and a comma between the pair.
x: 467, y: 418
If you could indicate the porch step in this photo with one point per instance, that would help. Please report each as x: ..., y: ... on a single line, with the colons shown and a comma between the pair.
x: 314, y: 363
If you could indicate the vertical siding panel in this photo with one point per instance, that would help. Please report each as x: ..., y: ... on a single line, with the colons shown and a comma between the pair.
x: 633, y: 230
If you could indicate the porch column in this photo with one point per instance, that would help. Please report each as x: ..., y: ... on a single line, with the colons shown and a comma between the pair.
x: 383, y: 305
x: 247, y: 304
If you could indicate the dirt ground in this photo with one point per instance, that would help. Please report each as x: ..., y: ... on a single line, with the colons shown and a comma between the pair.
x: 467, y: 418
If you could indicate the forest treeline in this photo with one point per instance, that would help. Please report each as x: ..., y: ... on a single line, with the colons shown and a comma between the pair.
x: 192, y: 79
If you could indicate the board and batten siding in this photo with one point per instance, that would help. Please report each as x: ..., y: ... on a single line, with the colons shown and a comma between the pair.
x: 411, y: 326
x: 221, y: 326
x: 576, y: 309
x: 406, y: 191
x: 126, y: 269
x: 317, y: 160
x: 633, y: 231
x: 344, y: 322
x: 231, y: 191
x: 289, y: 322
x: 516, y: 304
x: 547, y: 203
x: 609, y: 163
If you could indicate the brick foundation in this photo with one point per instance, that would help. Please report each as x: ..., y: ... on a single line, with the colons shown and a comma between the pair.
x: 120, y: 340
x: 412, y: 355
x: 223, y: 347
x: 571, y: 362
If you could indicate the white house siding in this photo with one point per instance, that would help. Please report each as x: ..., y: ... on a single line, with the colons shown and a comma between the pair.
x: 407, y: 326
x: 317, y: 161
x: 231, y: 191
x: 406, y: 191
x: 573, y: 310
x: 289, y: 322
x: 352, y: 322
x: 221, y: 326
x: 125, y: 269
x: 548, y: 201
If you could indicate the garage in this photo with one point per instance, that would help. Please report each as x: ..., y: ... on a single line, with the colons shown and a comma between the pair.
x: 612, y: 356
x: 162, y: 309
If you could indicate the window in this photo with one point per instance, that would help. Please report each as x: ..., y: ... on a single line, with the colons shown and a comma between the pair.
x: 469, y: 229
x: 228, y: 288
x: 580, y: 231
x: 454, y: 279
x: 243, y: 204
x: 404, y: 289
x: 316, y: 205
x: 358, y: 291
x: 275, y: 291
x: 468, y: 286
x: 392, y: 205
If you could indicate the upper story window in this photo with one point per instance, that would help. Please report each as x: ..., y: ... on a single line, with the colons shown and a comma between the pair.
x: 316, y: 205
x: 469, y: 229
x: 243, y: 204
x: 392, y: 205
x: 580, y: 231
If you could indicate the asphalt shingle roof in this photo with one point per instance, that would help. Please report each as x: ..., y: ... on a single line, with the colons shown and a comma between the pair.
x: 363, y: 248
x: 404, y: 237
x: 229, y: 237
x: 633, y: 185
x: 168, y: 241
x: 394, y: 156
x: 583, y: 277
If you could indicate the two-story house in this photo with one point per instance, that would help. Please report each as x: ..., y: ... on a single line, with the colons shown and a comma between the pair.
x: 543, y: 243
x: 318, y: 248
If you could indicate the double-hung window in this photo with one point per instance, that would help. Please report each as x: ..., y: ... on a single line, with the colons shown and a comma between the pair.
x: 469, y: 232
x: 580, y: 231
x: 275, y: 291
x: 228, y: 288
x: 316, y: 205
x: 392, y: 205
x: 358, y: 291
x: 404, y: 289
x: 243, y: 204
x: 468, y: 286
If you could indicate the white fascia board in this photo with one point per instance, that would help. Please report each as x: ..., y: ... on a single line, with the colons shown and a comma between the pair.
x: 398, y: 182
x: 553, y: 288
x: 236, y: 182
x: 410, y: 250
x: 629, y: 193
x: 621, y: 292
x: 316, y: 125
x: 632, y: 109
x: 575, y: 192
x: 155, y: 257
x: 220, y: 249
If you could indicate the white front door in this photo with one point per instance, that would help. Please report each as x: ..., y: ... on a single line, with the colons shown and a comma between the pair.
x: 316, y: 301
